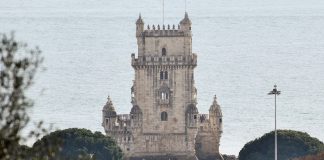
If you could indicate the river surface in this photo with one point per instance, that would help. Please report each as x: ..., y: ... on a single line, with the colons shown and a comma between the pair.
x: 244, y: 47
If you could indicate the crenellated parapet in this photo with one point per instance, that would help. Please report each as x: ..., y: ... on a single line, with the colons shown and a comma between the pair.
x: 183, y: 29
x: 164, y: 27
x: 164, y: 31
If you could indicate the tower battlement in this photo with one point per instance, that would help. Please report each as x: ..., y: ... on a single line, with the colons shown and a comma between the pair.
x: 164, y: 31
x: 181, y: 30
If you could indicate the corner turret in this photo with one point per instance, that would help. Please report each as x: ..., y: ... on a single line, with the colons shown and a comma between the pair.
x: 136, y: 116
x: 192, y: 116
x: 185, y: 23
x: 215, y: 108
x: 109, y: 109
x: 108, y: 114
x: 216, y: 117
x: 139, y: 26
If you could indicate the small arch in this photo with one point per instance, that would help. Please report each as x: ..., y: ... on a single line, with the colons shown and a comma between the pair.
x: 166, y: 75
x: 164, y: 116
x: 163, y: 52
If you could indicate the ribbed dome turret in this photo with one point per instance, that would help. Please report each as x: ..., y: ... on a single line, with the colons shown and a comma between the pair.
x: 139, y: 20
x: 192, y: 109
x: 215, y: 107
x: 185, y: 20
x: 135, y: 109
x: 109, y: 109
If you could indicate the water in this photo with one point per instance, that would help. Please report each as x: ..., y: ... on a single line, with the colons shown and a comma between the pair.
x: 243, y: 48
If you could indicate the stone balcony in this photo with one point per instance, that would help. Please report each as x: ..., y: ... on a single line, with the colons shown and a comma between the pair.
x: 190, y: 60
x: 124, y: 117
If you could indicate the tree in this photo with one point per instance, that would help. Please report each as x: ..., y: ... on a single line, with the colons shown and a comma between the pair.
x: 18, y: 66
x: 80, y: 144
x: 290, y: 144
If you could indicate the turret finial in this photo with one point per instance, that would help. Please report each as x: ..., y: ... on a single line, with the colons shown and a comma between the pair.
x: 109, y: 99
x: 186, y: 15
x: 109, y: 108
x: 215, y: 100
x: 215, y: 107
x: 186, y: 22
x: 139, y: 20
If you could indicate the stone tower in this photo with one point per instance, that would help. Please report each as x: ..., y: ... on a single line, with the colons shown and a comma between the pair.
x: 164, y: 122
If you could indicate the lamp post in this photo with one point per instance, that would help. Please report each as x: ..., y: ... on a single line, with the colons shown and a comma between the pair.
x: 275, y: 92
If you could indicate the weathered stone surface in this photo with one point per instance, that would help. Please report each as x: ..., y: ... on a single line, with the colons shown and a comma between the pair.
x: 164, y: 122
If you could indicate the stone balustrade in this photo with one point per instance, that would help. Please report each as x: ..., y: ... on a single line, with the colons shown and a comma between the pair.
x: 190, y: 60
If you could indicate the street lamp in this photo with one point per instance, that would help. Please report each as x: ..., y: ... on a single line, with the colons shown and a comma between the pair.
x: 275, y: 92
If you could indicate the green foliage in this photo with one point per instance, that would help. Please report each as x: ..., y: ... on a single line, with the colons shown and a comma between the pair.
x: 79, y: 144
x: 290, y: 144
x: 18, y: 66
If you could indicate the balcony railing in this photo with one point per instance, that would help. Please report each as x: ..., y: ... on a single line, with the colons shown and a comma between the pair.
x: 164, y: 60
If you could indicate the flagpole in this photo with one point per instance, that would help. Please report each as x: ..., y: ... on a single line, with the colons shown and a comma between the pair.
x: 163, y: 12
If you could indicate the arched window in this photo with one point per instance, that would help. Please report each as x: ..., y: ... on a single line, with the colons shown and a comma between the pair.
x: 164, y: 116
x: 164, y: 75
x: 163, y: 52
